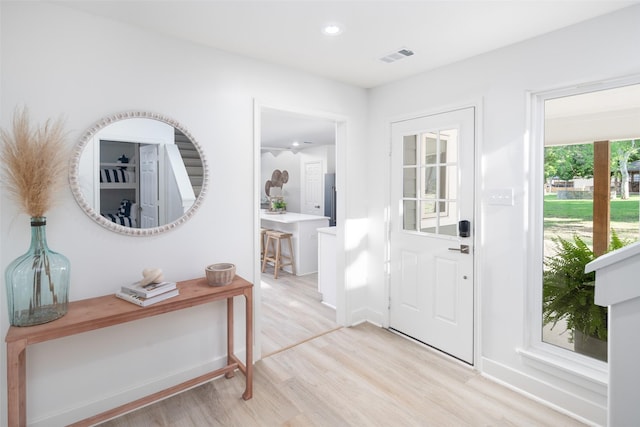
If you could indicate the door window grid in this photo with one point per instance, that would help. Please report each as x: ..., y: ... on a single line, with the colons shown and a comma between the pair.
x: 430, y: 185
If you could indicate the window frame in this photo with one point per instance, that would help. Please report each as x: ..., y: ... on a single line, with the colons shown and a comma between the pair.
x: 577, y: 368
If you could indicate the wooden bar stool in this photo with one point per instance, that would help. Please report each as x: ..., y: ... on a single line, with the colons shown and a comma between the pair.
x: 273, y: 252
x: 263, y: 238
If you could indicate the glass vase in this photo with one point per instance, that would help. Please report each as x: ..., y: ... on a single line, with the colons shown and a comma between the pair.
x: 38, y: 281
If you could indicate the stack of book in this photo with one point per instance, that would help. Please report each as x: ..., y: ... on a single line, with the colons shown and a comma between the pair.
x: 148, y: 294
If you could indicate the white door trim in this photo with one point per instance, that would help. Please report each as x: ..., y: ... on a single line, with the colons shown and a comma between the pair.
x: 343, y: 316
x: 478, y: 227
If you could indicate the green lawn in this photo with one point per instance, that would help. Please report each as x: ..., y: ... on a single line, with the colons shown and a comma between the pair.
x: 565, y: 218
x: 582, y: 210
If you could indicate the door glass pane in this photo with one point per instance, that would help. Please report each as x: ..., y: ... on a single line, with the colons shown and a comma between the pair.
x: 409, y: 216
x: 410, y: 153
x: 409, y: 186
x: 443, y: 150
x: 429, y: 220
x: 430, y: 148
x: 436, y: 210
x: 449, y: 146
x: 449, y: 182
x: 429, y: 208
x: 430, y: 187
x: 448, y: 220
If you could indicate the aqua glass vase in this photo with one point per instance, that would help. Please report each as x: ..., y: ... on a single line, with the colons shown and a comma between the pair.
x: 37, y: 282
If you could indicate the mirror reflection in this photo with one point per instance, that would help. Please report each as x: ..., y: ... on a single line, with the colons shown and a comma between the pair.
x: 138, y: 173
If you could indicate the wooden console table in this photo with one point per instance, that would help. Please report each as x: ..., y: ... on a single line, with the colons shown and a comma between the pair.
x: 102, y: 312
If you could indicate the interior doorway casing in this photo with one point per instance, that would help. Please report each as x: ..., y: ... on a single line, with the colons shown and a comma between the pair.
x: 340, y: 154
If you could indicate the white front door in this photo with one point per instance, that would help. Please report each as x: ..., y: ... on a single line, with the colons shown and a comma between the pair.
x: 313, y: 194
x: 149, y: 186
x: 432, y: 191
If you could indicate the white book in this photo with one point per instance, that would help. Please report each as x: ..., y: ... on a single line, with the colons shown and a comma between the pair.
x: 143, y: 302
x: 149, y: 290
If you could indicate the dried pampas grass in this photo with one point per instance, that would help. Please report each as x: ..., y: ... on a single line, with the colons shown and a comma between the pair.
x: 35, y: 162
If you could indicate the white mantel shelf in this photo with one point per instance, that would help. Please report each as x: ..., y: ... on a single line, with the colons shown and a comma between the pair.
x: 617, y: 287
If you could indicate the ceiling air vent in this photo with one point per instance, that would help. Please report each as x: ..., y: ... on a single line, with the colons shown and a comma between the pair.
x: 397, y: 55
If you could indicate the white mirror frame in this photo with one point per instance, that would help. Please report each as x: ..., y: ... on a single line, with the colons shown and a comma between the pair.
x: 90, y: 211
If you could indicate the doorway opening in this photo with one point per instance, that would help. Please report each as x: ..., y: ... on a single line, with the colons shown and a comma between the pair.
x: 297, y: 182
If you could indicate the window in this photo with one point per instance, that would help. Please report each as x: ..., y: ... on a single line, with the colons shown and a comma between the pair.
x: 577, y: 129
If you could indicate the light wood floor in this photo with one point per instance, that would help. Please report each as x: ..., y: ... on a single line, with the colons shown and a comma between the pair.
x: 292, y: 311
x: 314, y: 373
x: 358, y: 376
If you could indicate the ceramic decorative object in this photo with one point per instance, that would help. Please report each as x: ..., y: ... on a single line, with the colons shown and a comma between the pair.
x: 220, y: 274
x: 38, y: 281
x: 151, y: 275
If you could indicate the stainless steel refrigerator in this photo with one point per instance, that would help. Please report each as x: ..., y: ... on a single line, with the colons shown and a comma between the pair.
x: 330, y: 197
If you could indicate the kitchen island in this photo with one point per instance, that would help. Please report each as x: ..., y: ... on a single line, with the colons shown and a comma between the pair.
x: 304, y: 228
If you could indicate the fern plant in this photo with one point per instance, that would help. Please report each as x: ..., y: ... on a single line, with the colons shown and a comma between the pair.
x: 568, y: 292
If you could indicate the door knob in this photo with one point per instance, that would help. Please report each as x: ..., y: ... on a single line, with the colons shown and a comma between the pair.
x: 463, y: 248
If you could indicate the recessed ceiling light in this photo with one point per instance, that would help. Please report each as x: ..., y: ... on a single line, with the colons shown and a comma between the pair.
x: 295, y: 143
x: 332, y: 29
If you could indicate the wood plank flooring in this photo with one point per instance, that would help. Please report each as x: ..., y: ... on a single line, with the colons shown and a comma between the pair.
x: 314, y: 373
x: 292, y: 311
x: 358, y: 376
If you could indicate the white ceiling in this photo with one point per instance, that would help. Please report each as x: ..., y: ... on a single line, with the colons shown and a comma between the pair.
x: 612, y: 114
x: 280, y: 129
x: 289, y: 33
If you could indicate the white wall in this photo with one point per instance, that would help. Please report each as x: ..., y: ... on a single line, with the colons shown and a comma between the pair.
x: 293, y: 163
x: 59, y: 61
x: 498, y: 82
x: 284, y: 160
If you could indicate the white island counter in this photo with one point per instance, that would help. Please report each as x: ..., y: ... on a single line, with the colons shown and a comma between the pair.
x: 304, y: 228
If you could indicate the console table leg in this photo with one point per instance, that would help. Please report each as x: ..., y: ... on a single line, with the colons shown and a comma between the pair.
x: 229, y: 336
x: 248, y: 393
x: 17, y: 383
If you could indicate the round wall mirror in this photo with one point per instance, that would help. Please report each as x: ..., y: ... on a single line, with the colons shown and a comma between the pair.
x: 138, y: 173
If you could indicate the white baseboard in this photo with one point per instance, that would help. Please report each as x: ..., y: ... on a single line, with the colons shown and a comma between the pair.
x: 359, y: 316
x: 573, y: 405
x: 369, y: 315
x: 87, y: 409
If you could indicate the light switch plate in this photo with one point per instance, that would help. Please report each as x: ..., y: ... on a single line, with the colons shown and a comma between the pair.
x: 501, y: 197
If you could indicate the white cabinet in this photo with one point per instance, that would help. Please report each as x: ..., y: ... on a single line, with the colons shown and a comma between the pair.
x: 327, y: 273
